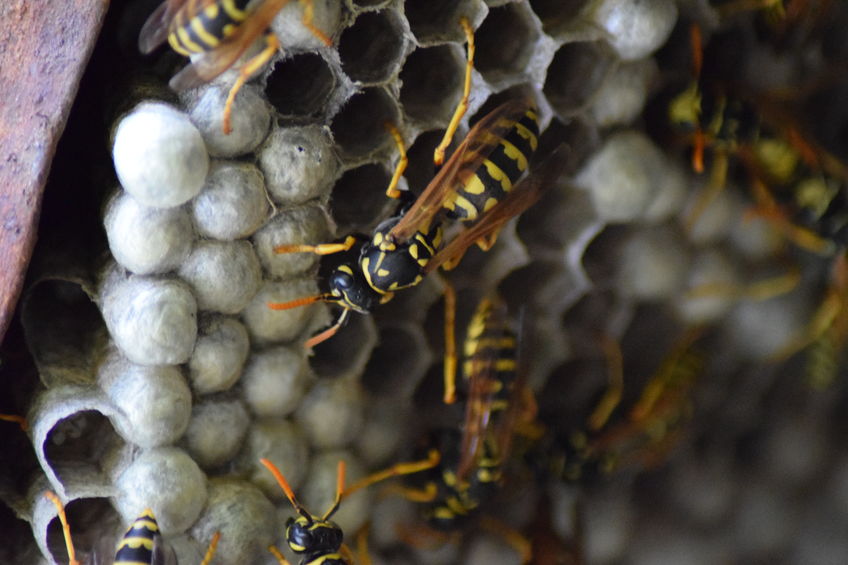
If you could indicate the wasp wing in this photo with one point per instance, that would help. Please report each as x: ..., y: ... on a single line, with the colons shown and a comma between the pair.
x: 212, y: 63
x: 154, y: 32
x: 523, y: 195
x: 481, y: 140
x: 480, y: 370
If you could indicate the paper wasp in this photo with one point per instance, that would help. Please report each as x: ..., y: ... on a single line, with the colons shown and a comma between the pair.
x: 218, y: 32
x: 318, y: 539
x: 464, y: 466
x: 478, y: 185
x: 142, y: 544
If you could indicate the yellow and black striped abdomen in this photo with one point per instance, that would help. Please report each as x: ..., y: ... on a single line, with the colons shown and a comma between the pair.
x: 137, y: 545
x: 491, y: 346
x: 206, y: 28
x: 496, y: 176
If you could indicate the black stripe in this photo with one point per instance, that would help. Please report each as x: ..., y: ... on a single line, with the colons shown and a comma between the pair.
x: 133, y: 554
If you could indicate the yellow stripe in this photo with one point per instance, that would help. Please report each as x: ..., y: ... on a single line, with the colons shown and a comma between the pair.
x: 211, y: 11
x: 182, y: 35
x: 208, y: 38
x: 135, y: 542
x: 513, y: 153
x: 174, y: 41
x: 470, y: 210
x: 490, y: 203
x: 505, y: 365
x: 526, y: 134
x: 232, y: 10
x: 497, y: 174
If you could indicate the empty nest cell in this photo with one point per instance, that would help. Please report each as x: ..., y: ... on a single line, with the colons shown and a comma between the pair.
x: 436, y: 20
x: 300, y: 85
x: 359, y: 128
x: 556, y: 15
x: 575, y: 74
x: 432, y: 84
x: 371, y: 49
x: 505, y: 42
x: 359, y: 198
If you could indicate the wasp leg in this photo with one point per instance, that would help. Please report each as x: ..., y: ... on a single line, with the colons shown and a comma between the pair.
x: 66, y: 529
x: 830, y: 314
x: 407, y: 468
x: 611, y: 398
x: 210, y: 552
x: 511, y: 536
x: 19, y: 420
x: 362, y: 557
x: 450, y: 343
x: 308, y: 16
x: 272, y: 45
x: 462, y: 107
x: 278, y: 555
x: 320, y: 249
x: 718, y: 176
x: 392, y: 191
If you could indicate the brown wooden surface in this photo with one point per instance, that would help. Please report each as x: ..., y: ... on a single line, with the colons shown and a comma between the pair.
x: 44, y: 47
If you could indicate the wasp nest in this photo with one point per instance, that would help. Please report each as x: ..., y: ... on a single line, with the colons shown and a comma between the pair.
x: 166, y: 376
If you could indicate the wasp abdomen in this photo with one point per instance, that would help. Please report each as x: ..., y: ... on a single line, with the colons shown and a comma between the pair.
x: 496, y: 176
x: 205, y: 30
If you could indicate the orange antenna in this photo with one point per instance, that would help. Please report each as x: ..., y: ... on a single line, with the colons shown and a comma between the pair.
x: 300, y: 302
x: 19, y: 420
x: 284, y: 484
x: 329, y: 332
x: 340, y: 482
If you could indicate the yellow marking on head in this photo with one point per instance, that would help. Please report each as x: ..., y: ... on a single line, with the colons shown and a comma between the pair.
x: 524, y: 132
x: 383, y: 272
x: 378, y: 238
x: 413, y: 251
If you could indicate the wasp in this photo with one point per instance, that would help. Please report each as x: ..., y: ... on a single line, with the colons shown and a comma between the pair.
x: 318, y: 539
x: 464, y: 466
x: 476, y: 186
x: 142, y: 544
x: 218, y: 32
x: 613, y: 439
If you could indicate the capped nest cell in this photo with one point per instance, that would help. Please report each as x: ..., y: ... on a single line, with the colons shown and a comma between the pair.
x: 653, y: 321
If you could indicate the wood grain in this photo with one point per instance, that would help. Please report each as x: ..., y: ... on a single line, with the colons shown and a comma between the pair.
x: 44, y: 47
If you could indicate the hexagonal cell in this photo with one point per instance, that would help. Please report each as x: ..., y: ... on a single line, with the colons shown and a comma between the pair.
x: 371, y: 49
x: 505, y: 42
x: 63, y: 328
x: 556, y: 15
x: 575, y: 74
x: 398, y: 363
x: 346, y: 352
x: 92, y: 521
x: 81, y: 445
x: 432, y: 84
x: 359, y: 128
x: 420, y: 169
x: 436, y: 20
x: 581, y: 139
x: 359, y: 198
x: 300, y: 85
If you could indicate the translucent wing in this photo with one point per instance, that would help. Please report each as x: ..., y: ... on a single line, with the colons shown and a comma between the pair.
x: 464, y: 162
x: 212, y: 63
x: 478, y: 409
x: 525, y: 194
x: 155, y: 29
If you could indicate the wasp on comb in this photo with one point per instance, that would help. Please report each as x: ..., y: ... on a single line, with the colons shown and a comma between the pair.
x: 142, y: 544
x: 218, y: 32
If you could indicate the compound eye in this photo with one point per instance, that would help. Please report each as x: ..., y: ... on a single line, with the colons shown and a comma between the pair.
x: 341, y: 280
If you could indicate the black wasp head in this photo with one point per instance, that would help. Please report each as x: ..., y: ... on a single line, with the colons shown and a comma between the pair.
x: 350, y: 289
x: 313, y: 535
